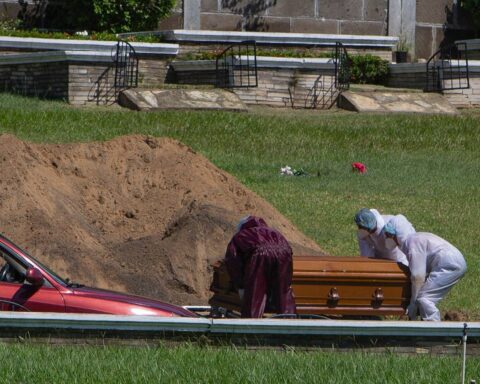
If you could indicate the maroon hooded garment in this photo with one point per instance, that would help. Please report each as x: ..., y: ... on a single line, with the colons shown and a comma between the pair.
x: 259, y: 260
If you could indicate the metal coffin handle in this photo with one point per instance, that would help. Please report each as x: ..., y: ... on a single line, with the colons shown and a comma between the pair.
x: 377, y: 298
x: 333, y: 297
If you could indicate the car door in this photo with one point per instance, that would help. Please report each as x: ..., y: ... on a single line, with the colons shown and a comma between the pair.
x: 16, y: 294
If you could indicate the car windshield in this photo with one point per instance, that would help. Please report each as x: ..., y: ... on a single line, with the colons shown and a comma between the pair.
x: 57, y: 278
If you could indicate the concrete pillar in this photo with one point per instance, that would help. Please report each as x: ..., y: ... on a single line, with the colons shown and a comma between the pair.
x: 191, y: 14
x: 394, y: 17
x: 402, y: 17
x: 409, y: 21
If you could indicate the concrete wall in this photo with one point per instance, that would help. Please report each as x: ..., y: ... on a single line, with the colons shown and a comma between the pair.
x: 364, y: 17
x: 9, y: 9
x: 425, y: 24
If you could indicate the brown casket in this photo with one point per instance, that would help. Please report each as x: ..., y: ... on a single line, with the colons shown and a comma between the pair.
x: 329, y: 285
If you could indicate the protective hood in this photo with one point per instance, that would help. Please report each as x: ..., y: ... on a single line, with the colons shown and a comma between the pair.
x: 253, y: 221
x: 403, y: 228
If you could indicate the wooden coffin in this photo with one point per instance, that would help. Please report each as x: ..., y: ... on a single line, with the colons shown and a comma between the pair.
x: 328, y: 285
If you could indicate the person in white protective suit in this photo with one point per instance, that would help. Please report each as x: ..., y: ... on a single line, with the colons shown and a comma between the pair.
x: 371, y: 239
x: 435, y: 266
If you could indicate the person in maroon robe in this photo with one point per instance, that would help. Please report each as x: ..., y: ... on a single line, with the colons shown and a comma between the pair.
x: 259, y: 262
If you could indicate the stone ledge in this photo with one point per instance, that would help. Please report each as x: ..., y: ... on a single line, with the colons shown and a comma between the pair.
x: 200, y: 36
x: 56, y: 56
x: 84, y: 45
x: 262, y: 62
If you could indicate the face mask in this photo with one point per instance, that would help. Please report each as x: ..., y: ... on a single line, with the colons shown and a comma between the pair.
x: 390, y: 243
x: 363, y: 234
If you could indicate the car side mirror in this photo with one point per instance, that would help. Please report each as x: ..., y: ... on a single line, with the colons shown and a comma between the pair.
x: 34, y: 277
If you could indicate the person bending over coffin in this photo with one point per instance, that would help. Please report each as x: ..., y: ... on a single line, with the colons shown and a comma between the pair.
x: 259, y: 262
x: 435, y: 266
x: 371, y: 238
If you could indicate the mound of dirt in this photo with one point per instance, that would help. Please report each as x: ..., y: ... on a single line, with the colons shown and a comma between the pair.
x: 137, y: 214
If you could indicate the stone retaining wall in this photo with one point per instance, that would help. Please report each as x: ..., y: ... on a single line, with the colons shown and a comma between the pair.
x: 414, y: 76
x: 466, y: 98
x: 286, y: 88
x: 45, y: 80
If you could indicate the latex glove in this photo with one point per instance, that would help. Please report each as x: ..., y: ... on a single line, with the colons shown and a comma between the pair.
x: 412, y: 311
x: 241, y: 292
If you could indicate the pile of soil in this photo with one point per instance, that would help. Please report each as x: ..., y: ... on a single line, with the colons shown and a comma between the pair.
x: 137, y: 214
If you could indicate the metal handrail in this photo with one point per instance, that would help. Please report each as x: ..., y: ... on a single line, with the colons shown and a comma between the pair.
x: 445, y: 69
x: 126, y: 66
x: 236, y: 66
x: 340, y: 81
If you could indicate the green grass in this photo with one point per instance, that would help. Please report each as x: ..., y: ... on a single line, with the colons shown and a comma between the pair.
x: 190, y: 364
x: 426, y: 167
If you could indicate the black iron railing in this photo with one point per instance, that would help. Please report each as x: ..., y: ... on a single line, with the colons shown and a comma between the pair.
x: 126, y: 66
x: 236, y: 66
x: 327, y: 88
x: 342, y: 68
x: 447, y: 69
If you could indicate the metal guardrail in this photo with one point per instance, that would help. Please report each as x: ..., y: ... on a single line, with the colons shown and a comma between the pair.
x: 36, y: 321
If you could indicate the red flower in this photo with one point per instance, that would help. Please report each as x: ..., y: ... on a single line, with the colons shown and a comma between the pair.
x: 359, y: 167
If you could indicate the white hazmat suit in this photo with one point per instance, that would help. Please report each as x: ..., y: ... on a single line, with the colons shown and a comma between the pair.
x: 373, y: 245
x: 435, y: 267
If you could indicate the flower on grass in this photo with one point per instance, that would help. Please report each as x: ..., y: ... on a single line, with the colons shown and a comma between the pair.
x: 359, y: 167
x: 289, y: 171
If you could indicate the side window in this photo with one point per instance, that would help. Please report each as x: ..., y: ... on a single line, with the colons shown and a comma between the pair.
x: 11, y: 270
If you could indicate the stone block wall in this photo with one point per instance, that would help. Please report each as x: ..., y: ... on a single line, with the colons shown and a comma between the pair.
x: 45, y: 80
x: 91, y: 83
x: 95, y: 82
x: 152, y: 72
x: 412, y: 80
x: 285, y: 88
x: 426, y: 24
x: 466, y: 98
x: 364, y: 17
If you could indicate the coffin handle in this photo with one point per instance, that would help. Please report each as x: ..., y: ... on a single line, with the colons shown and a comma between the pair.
x: 333, y: 297
x: 377, y: 298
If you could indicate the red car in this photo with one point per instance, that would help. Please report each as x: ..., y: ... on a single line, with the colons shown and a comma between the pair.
x: 27, y: 285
